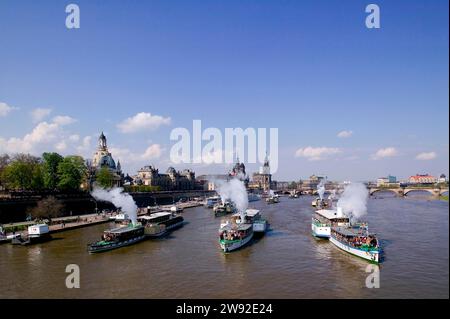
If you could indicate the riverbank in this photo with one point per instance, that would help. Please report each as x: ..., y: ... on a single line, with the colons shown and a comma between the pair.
x: 61, y: 224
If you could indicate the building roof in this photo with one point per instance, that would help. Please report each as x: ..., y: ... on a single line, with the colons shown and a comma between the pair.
x: 252, y: 212
x: 154, y: 215
x: 329, y: 214
x: 121, y: 230
x: 107, y: 160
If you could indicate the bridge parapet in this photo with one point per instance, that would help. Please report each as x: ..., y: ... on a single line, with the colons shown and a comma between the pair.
x: 403, y: 191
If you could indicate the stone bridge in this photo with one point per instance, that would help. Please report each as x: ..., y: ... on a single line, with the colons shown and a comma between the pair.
x: 403, y: 191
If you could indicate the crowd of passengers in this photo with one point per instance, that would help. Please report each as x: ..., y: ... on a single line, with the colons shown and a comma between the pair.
x: 358, y: 241
x: 231, y: 235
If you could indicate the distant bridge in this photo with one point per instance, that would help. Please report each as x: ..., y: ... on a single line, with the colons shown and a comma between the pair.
x: 403, y: 191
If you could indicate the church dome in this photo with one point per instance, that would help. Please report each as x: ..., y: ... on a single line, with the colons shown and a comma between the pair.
x: 107, y: 161
x: 171, y: 170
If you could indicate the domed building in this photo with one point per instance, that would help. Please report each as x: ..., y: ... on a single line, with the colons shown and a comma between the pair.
x: 103, y: 158
x: 238, y: 171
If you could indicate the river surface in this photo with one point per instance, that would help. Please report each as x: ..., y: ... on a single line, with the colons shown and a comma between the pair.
x: 287, y: 263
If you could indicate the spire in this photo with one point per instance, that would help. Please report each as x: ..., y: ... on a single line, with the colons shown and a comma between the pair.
x: 266, y: 160
x: 102, y: 142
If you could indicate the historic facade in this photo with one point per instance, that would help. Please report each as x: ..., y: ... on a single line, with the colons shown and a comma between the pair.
x: 171, y: 180
x: 103, y: 158
x: 263, y: 179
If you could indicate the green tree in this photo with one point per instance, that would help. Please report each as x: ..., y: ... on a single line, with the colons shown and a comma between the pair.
x: 47, y: 208
x: 4, y: 161
x: 71, y: 173
x: 50, y: 169
x: 104, y: 178
x: 24, y: 172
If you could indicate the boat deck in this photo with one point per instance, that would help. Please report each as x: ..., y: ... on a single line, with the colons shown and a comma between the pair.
x: 352, y: 231
x: 121, y: 230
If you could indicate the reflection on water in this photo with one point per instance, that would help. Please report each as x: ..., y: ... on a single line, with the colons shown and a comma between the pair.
x: 287, y: 263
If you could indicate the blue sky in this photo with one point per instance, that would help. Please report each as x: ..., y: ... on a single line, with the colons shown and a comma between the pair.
x: 310, y: 68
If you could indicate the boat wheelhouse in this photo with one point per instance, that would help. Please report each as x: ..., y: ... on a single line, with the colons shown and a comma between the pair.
x: 223, y: 209
x: 253, y: 216
x: 324, y: 219
x: 211, y: 201
x: 357, y: 241
x: 293, y: 194
x: 233, y: 236
x: 121, y: 218
x: 159, y: 224
x: 252, y: 197
x: 319, y: 203
x: 273, y: 199
x: 117, y: 238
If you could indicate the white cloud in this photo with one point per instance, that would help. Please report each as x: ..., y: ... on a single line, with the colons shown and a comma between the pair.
x: 74, y: 138
x: 61, y: 146
x: 122, y: 153
x: 426, y: 156
x: 316, y: 153
x: 345, y: 134
x: 39, y: 114
x: 152, y: 152
x: 63, y: 120
x: 44, y: 134
x: 385, y: 152
x: 85, y: 147
x: 5, y: 109
x: 142, y: 121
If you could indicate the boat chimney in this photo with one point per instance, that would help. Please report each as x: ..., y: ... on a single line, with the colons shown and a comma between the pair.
x: 340, y: 213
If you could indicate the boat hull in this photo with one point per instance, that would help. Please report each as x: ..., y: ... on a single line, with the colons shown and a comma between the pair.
x: 31, y: 240
x: 115, y: 245
x: 175, y: 226
x: 372, y: 256
x: 234, y: 245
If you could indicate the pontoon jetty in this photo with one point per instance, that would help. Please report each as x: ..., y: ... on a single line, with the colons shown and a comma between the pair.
x: 36, y: 234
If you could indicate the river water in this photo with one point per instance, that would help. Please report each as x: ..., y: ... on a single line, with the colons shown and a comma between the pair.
x: 287, y: 263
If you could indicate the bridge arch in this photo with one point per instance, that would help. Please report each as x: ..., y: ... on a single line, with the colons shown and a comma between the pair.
x: 390, y: 190
x: 432, y: 192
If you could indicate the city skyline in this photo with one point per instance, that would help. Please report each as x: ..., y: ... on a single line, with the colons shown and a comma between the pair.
x: 350, y: 103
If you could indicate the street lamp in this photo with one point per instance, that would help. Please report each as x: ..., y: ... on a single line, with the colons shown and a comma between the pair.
x: 95, y: 202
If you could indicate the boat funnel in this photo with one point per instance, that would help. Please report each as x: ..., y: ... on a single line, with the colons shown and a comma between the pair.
x: 340, y: 212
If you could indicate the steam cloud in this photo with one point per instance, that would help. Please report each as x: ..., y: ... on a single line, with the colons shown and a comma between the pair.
x: 121, y: 200
x: 353, y: 201
x: 321, y: 189
x: 234, y: 190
